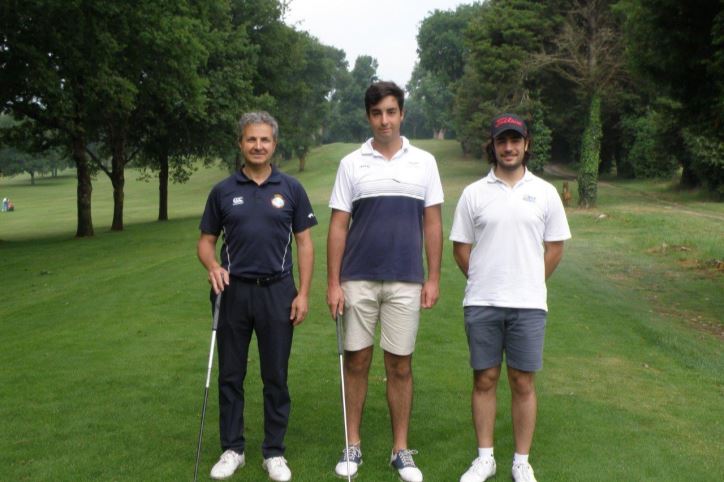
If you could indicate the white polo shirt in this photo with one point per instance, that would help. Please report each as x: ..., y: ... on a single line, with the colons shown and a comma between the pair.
x: 507, y: 227
x: 386, y: 200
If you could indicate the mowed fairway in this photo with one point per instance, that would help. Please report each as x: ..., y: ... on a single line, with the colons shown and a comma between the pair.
x: 104, y: 344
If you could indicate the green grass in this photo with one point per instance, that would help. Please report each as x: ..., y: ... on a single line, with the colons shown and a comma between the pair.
x: 105, y: 343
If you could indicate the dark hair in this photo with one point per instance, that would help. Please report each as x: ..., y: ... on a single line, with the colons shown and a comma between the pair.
x: 379, y: 90
x: 490, y: 150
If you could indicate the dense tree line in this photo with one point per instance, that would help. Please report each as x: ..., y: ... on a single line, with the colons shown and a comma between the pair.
x: 159, y: 84
x: 633, y: 86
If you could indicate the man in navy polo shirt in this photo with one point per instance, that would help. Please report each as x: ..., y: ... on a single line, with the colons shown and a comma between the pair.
x: 508, y: 235
x: 385, y: 206
x: 258, y: 210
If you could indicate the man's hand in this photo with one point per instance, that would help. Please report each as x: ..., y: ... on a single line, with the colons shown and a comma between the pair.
x: 430, y: 293
x: 218, y: 278
x: 335, y: 301
x: 300, y: 308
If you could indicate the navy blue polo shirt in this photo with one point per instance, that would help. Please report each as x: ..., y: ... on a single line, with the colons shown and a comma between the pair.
x: 257, y: 222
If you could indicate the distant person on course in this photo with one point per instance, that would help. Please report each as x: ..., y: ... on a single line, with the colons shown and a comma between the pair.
x: 258, y: 209
x: 385, y: 205
x: 507, y: 235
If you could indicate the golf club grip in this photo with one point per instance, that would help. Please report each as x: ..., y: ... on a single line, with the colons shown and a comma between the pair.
x: 217, y: 307
x: 340, y: 344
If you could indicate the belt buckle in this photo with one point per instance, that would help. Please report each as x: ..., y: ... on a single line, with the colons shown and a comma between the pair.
x: 259, y: 281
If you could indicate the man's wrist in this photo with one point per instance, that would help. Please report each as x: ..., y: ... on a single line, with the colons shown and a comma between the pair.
x: 433, y: 279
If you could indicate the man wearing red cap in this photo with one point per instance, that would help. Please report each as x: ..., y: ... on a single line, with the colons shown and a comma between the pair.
x: 508, y: 235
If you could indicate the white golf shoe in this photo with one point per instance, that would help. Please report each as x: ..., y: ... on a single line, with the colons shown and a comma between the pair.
x: 227, y: 465
x: 523, y: 473
x: 277, y: 469
x: 406, y: 468
x: 480, y: 470
x: 351, y: 458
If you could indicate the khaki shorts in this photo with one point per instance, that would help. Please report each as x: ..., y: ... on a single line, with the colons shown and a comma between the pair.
x: 395, y: 304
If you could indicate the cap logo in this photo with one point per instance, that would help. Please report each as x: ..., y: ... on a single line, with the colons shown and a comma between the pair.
x: 278, y: 201
x: 507, y: 120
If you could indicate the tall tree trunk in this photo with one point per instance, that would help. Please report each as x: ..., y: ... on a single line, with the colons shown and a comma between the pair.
x: 163, y: 186
x: 84, y: 190
x: 590, y: 155
x: 118, y: 181
x: 118, y: 178
x: 32, y: 178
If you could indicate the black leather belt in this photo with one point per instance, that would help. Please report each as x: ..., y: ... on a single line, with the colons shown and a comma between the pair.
x: 263, y: 281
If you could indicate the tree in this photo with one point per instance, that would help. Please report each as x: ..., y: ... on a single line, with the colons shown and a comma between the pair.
x: 155, y: 63
x: 54, y: 57
x: 348, y: 117
x: 441, y: 52
x: 435, y: 99
x: 179, y: 132
x: 416, y: 124
x: 85, y: 70
x: 294, y: 78
x: 26, y: 149
x: 500, y: 38
x: 588, y: 53
x: 674, y: 50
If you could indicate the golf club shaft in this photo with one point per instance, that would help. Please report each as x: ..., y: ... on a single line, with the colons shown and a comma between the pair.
x: 203, y: 408
x: 340, y: 350
x: 217, y: 303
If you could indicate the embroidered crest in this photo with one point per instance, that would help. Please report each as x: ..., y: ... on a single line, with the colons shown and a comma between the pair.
x: 278, y: 201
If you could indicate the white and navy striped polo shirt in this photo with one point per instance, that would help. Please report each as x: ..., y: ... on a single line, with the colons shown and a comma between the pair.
x: 386, y: 200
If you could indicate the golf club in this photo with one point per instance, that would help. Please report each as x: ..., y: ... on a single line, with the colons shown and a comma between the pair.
x: 217, y: 304
x: 340, y: 350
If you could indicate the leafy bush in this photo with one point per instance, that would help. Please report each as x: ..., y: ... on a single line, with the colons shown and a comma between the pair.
x: 707, y: 159
x: 652, y: 149
x: 541, y: 134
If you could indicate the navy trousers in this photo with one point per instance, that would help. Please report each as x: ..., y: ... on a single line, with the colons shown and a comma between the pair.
x: 264, y: 310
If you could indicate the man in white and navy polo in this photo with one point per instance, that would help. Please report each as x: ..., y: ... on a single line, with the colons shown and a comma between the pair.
x: 508, y: 235
x: 385, y: 206
x: 258, y: 210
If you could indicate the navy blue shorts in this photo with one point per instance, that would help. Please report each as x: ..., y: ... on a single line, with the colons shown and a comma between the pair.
x: 517, y: 332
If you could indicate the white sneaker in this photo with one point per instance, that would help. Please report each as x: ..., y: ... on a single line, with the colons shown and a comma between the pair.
x: 277, y: 468
x: 227, y: 465
x: 481, y: 469
x: 353, y: 455
x: 523, y: 473
x: 405, y: 466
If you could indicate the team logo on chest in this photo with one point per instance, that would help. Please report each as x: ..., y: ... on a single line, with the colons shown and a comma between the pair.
x: 238, y: 200
x: 277, y: 201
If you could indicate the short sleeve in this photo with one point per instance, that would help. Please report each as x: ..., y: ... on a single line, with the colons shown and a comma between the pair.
x: 463, y: 228
x: 556, y: 228
x: 303, y: 217
x: 342, y: 193
x: 434, y: 194
x: 211, y: 222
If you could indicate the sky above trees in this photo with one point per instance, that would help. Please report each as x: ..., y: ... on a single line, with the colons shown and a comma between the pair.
x: 382, y: 29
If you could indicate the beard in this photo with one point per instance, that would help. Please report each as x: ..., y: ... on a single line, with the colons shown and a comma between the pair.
x: 510, y: 167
